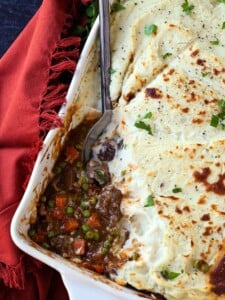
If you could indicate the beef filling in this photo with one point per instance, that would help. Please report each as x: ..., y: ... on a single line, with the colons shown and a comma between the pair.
x: 78, y: 215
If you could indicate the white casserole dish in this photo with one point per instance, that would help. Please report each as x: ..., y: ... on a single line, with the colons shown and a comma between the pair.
x: 80, y: 283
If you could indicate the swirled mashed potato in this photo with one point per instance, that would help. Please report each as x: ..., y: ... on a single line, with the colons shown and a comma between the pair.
x: 168, y: 77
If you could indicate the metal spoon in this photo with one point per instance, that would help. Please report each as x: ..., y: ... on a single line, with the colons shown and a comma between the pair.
x: 101, y: 124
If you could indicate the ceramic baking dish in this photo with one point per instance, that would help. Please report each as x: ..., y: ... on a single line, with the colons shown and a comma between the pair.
x: 80, y: 283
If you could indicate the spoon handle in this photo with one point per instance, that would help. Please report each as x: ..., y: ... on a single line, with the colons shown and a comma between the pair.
x: 104, y: 20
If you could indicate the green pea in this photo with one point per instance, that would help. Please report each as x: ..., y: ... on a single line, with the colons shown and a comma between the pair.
x: 89, y: 235
x: 85, y: 186
x: 32, y: 232
x: 201, y: 265
x: 43, y: 198
x: 85, y: 227
x: 51, y: 234
x: 107, y: 244
x: 78, y: 146
x: 116, y: 232
x: 72, y: 197
x: 93, y: 200
x: 104, y: 250
x: 86, y: 213
x: 84, y: 197
x: 84, y: 204
x: 51, y: 203
x: 79, y: 164
x: 69, y: 210
x: 96, y: 236
x: 83, y: 179
x: 62, y: 164
x: 110, y: 238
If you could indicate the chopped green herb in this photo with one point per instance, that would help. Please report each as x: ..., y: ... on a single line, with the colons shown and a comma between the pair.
x: 221, y: 115
x: 123, y: 172
x: 219, y: 119
x: 214, y: 121
x: 117, y: 6
x: 222, y: 104
x: 112, y: 71
x: 148, y: 115
x: 215, y: 42
x: 150, y: 201
x: 169, y: 275
x: 187, y: 8
x: 135, y: 256
x: 177, y: 190
x: 204, y: 74
x: 221, y: 1
x: 79, y: 30
x: 100, y: 174
x: 149, y: 29
x: 167, y: 54
x: 142, y: 125
x: 223, y: 25
x: 91, y: 11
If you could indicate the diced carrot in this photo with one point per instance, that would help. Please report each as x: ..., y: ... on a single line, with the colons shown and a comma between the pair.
x: 71, y: 153
x: 61, y: 200
x: 94, y: 221
x: 79, y: 246
x: 98, y: 268
x: 71, y: 224
x: 58, y: 213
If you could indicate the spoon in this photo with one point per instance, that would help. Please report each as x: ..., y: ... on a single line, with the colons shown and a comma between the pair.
x: 101, y: 124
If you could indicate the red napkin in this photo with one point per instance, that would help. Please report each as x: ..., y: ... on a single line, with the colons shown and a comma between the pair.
x: 34, y: 77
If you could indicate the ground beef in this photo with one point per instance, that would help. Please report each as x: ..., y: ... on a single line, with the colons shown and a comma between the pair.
x: 107, y: 150
x: 63, y: 245
x: 109, y: 204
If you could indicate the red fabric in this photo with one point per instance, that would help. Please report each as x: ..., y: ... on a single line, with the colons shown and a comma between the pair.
x: 30, y: 93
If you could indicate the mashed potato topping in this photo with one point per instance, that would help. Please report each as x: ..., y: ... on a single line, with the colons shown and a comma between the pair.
x: 168, y: 63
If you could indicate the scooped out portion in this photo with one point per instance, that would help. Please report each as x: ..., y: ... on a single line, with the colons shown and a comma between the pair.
x: 78, y: 215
